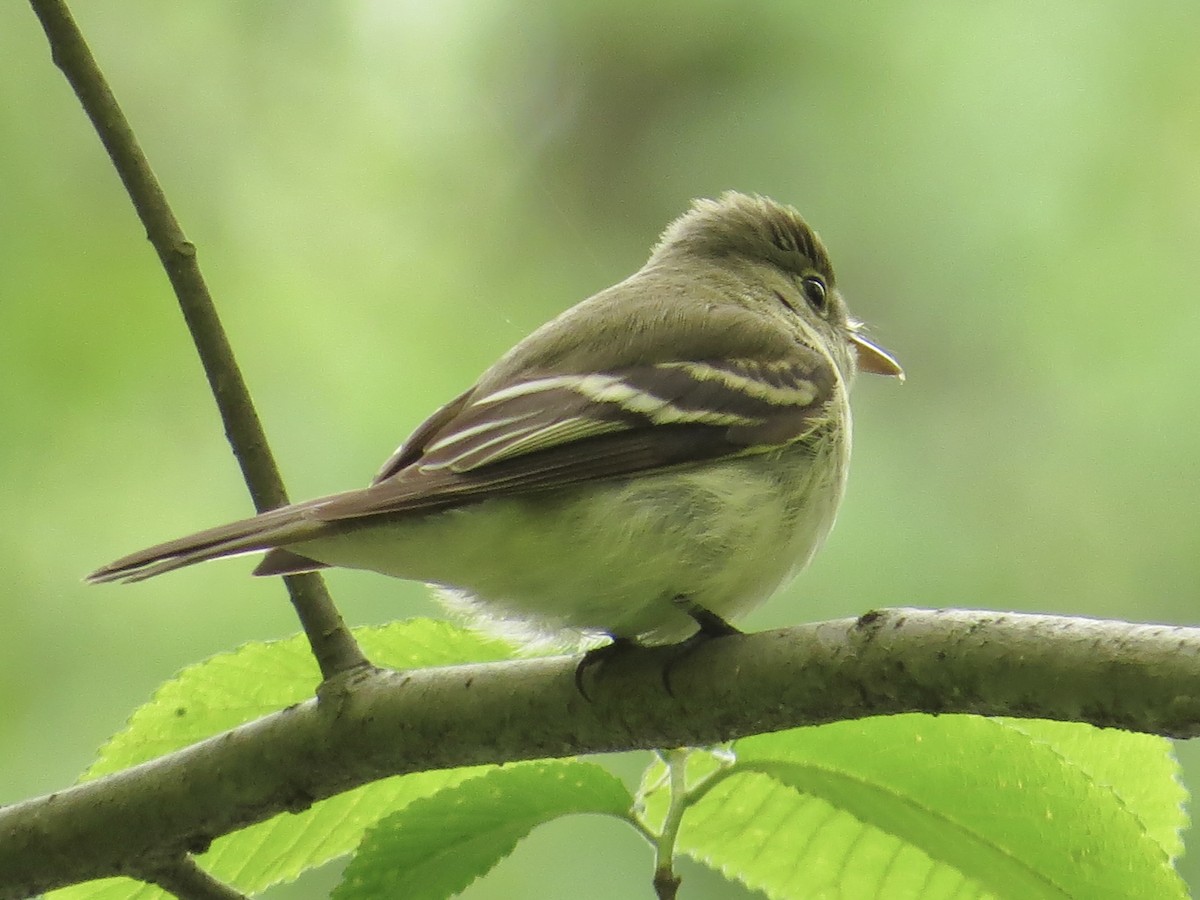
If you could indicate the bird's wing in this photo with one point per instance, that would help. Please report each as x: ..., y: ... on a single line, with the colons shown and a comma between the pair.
x: 552, y: 430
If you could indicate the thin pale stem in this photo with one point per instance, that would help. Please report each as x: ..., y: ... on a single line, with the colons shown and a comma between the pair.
x: 666, y: 882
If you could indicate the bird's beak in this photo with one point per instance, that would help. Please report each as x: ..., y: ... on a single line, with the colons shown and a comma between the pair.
x: 874, y: 359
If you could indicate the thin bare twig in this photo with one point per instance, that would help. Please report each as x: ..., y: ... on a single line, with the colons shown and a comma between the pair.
x: 332, y: 644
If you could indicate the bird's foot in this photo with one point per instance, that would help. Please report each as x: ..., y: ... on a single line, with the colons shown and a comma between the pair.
x: 598, y: 657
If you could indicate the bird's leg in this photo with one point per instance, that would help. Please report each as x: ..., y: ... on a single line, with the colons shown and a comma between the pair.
x: 711, y: 625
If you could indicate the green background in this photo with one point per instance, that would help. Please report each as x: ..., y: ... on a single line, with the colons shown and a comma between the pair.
x: 385, y: 196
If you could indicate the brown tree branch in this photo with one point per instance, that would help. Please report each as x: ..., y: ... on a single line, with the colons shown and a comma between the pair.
x: 182, y: 877
x: 332, y: 644
x: 1111, y: 674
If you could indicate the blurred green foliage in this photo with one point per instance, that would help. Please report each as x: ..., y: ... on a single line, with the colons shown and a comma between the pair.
x: 385, y: 196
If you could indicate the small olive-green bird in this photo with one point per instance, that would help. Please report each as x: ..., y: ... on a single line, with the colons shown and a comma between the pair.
x: 665, y: 454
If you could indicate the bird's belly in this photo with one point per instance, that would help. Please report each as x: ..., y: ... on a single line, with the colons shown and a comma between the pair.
x: 612, y: 557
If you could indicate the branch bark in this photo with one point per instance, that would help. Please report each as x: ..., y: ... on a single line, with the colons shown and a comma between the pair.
x: 373, y: 724
x: 332, y: 643
x: 185, y: 879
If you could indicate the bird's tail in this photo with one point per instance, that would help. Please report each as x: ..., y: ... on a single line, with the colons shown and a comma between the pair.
x: 266, y: 531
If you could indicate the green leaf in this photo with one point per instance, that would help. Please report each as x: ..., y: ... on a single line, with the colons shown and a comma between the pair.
x: 1140, y: 769
x: 260, y: 678
x: 253, y: 681
x: 788, y: 844
x: 111, y: 889
x: 952, y: 806
x: 435, y: 847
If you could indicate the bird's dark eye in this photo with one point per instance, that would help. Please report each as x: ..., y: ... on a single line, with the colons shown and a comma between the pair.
x: 815, y: 293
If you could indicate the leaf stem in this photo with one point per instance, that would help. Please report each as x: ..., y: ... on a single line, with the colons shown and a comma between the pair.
x: 666, y: 882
